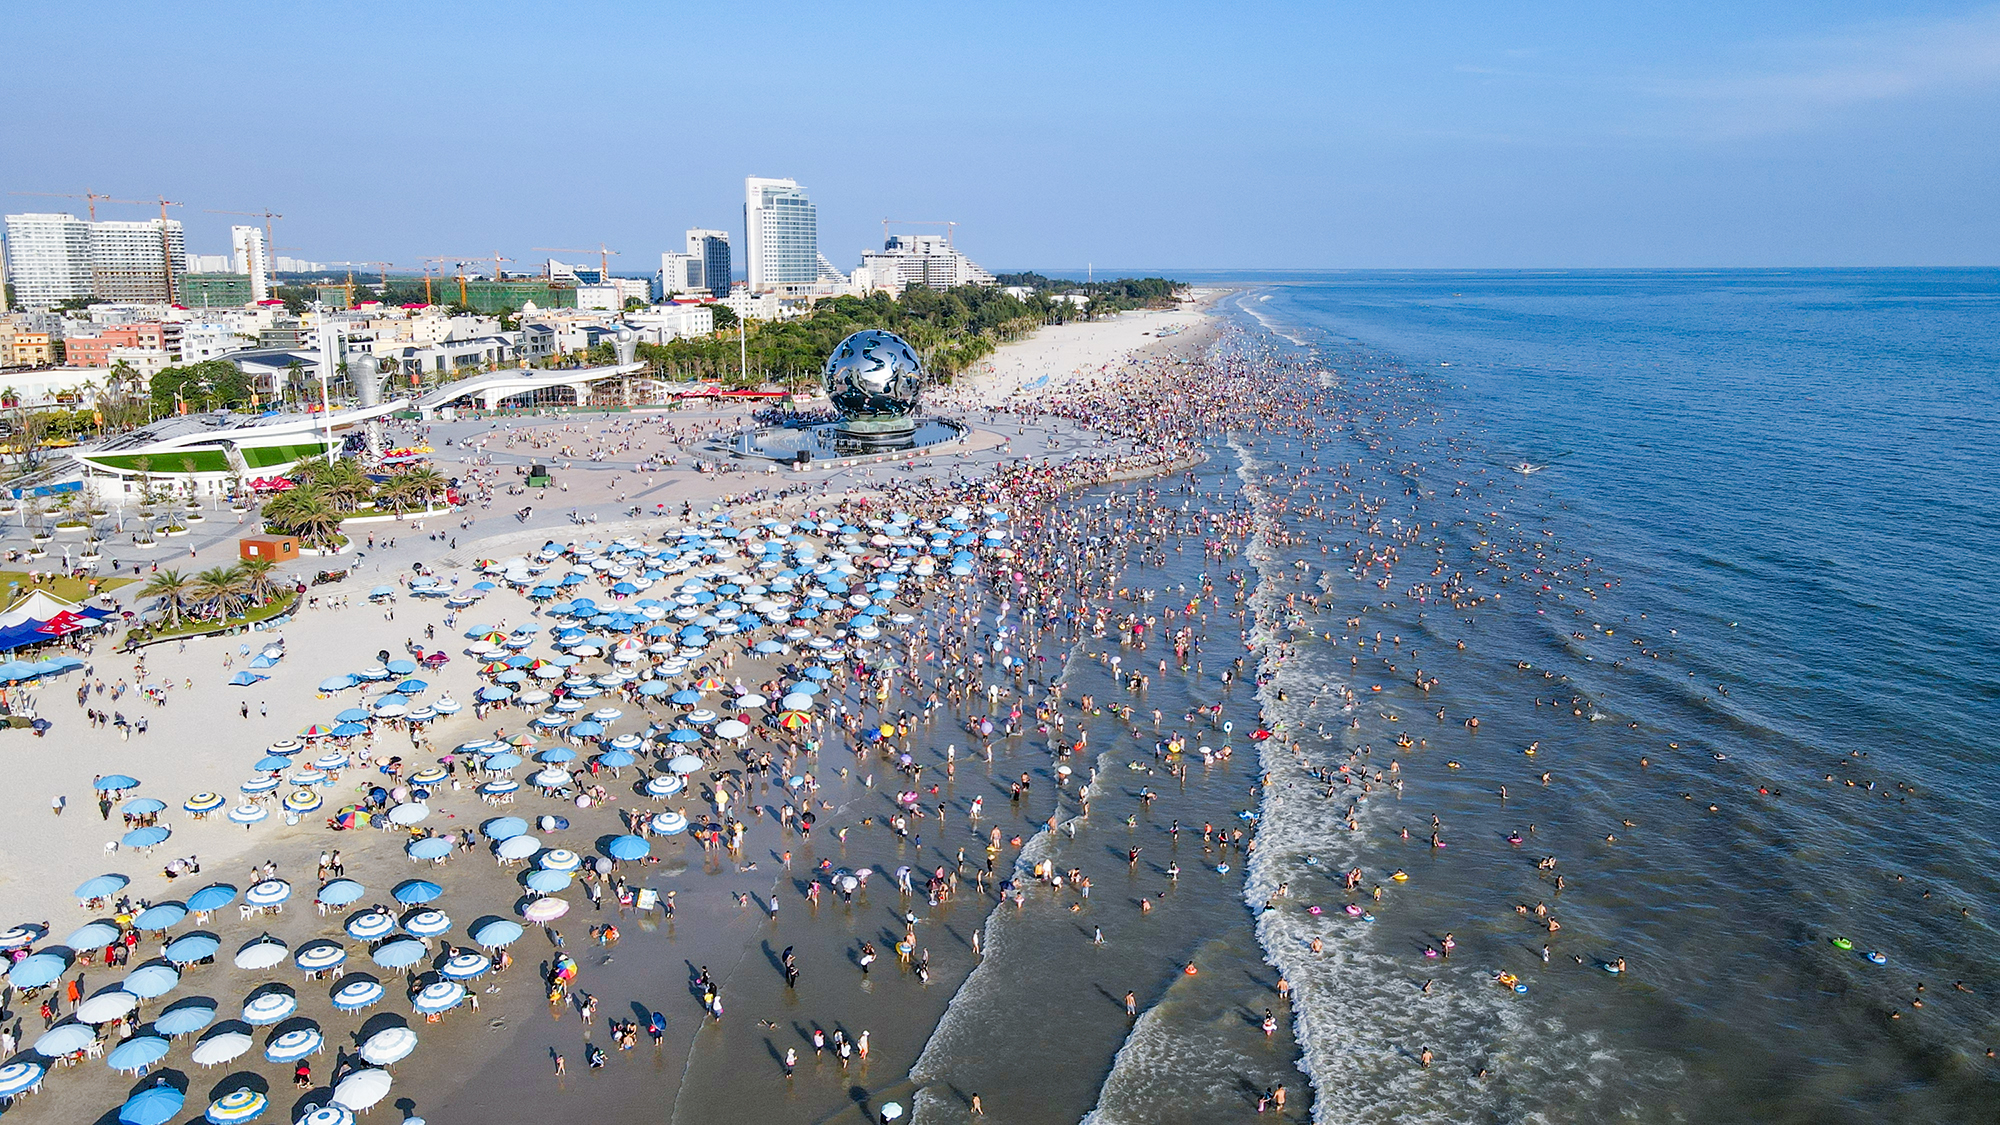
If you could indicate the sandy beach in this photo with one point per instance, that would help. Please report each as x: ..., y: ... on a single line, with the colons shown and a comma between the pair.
x: 732, y: 914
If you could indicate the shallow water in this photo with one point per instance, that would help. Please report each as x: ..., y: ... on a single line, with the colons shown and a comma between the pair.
x: 1749, y: 550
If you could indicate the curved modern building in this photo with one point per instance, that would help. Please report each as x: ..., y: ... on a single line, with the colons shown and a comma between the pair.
x: 204, y: 454
x: 525, y: 388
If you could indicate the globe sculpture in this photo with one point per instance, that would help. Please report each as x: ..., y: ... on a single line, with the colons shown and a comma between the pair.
x: 873, y: 378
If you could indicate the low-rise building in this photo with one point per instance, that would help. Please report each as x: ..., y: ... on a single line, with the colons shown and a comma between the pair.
x: 95, y: 350
x: 22, y: 348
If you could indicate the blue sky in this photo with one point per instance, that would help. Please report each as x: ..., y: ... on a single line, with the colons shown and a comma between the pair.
x: 1325, y: 135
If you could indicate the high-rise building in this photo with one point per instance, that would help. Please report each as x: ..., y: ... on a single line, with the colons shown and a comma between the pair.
x: 48, y: 259
x: 925, y: 259
x: 252, y: 258
x: 781, y: 234
x: 711, y: 247
x: 132, y: 262
x: 680, y: 273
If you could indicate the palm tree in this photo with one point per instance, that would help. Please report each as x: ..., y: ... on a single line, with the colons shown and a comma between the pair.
x: 256, y: 575
x: 174, y: 590
x: 220, y: 591
x: 305, y: 512
x: 424, y: 483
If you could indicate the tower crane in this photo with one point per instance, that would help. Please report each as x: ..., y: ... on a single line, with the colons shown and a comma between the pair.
x: 603, y: 257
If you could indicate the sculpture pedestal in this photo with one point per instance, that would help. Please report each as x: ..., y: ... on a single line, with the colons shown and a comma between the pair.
x: 878, y: 430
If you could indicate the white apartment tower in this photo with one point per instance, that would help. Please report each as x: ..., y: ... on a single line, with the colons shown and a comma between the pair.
x: 712, y: 247
x: 133, y: 262
x: 781, y: 234
x: 680, y: 273
x: 48, y: 259
x: 253, y: 258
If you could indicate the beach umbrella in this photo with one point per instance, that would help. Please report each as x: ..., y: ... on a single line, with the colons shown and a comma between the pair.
x: 465, y: 965
x: 653, y: 687
x: 664, y: 786
x: 238, y: 1105
x: 189, y: 948
x: 357, y: 993
x: 546, y: 909
x: 137, y: 1053
x: 370, y: 925
x: 106, y: 1006
x: 438, y: 996
x: 627, y: 742
x: 273, y: 762
x: 341, y: 892
x: 427, y: 923
x: 349, y: 730
x: 65, y: 1039
x: 250, y: 814
x: 263, y: 953
x: 37, y: 970
x: 389, y: 1045
x: 399, y: 953
x: 303, y: 800
x: 751, y: 701
x: 628, y: 848
x: 319, y: 956
x: 544, y: 881
x: 587, y: 729
x: 417, y: 891
x: 796, y: 701
x: 505, y: 760
x: 294, y: 1045
x: 154, y: 1105
x: 316, y: 730
x: 556, y: 755
x: 793, y: 720
x: 817, y: 673
x: 159, y: 917
x: 184, y: 1018
x: 270, y: 892
x: 269, y: 1007
x: 92, y: 934
x: 362, y: 1089
x: 615, y: 759
x: 560, y: 859
x: 731, y: 728
x: 504, y: 827
x: 330, y: 1114
x: 401, y: 667
x: 670, y: 823
x: 337, y: 683
x: 686, y: 697
x: 330, y: 762
x: 683, y: 735
x: 219, y: 1047
x: 500, y: 788
x: 430, y: 847
x: 554, y: 777
x: 101, y: 886
x: 446, y: 705
x: 143, y: 806
x: 114, y: 781
x: 517, y: 847
x: 685, y: 763
x: 203, y: 803
x: 215, y: 896
x: 497, y: 932
x: 701, y: 717
x: 22, y: 1077
x: 149, y: 981
x: 408, y: 814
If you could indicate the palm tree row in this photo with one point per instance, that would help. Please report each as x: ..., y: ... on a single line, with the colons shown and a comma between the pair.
x: 219, y: 592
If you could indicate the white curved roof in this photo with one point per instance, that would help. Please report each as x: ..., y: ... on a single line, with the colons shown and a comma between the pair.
x: 519, y: 380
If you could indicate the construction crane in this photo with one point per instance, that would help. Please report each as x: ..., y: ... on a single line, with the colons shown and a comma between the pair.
x: 90, y: 196
x: 603, y: 257
x: 267, y: 215
x: 950, y: 227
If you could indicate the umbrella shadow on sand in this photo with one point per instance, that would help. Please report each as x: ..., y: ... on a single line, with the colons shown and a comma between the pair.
x: 377, y: 1024
x: 240, y: 1080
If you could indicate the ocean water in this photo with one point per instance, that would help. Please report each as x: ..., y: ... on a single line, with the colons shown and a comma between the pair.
x: 1707, y: 556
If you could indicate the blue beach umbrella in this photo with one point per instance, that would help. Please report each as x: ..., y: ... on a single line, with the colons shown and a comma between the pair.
x: 65, y: 1039
x: 337, y: 683
x: 357, y: 992
x: 349, y: 730
x: 683, y: 735
x: 399, y: 953
x: 212, y: 897
x: 159, y: 917
x: 628, y: 848
x: 137, y: 1053
x: 504, y: 827
x: 189, y: 948
x: 36, y: 970
x: 143, y: 806
x: 273, y: 762
x: 149, y: 981
x: 341, y: 892
x: 653, y: 687
x: 144, y: 837
x: 546, y: 882
x: 154, y: 1105
x: 186, y: 1017
x: 497, y: 932
x: 414, y: 891
x: 401, y: 667
x: 431, y: 847
x: 91, y: 934
x: 111, y: 781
